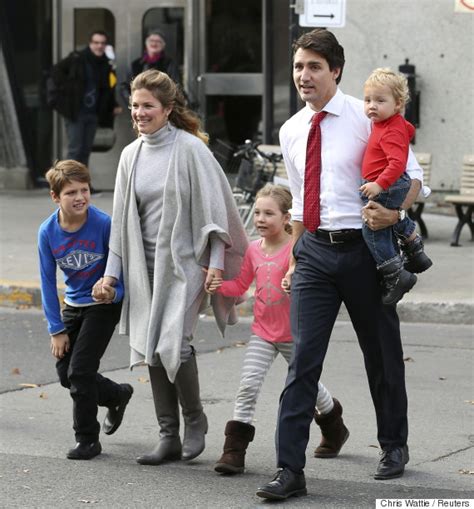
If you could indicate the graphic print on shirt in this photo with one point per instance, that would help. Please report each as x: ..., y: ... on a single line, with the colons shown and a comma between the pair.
x: 78, y: 260
x: 268, y: 293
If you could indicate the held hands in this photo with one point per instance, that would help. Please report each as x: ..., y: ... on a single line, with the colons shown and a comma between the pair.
x: 213, y: 280
x: 377, y: 217
x: 60, y: 345
x: 104, y: 291
x: 371, y: 190
x: 286, y: 281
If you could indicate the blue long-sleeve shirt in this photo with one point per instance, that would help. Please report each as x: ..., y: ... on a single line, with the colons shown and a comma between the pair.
x: 81, y: 255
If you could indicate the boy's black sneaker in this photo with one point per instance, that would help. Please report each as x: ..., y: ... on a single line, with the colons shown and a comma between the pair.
x: 114, y: 416
x: 85, y: 451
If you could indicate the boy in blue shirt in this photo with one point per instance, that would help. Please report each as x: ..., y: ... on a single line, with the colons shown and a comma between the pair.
x: 75, y: 238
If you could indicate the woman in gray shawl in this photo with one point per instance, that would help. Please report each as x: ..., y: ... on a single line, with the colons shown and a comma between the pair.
x: 173, y: 216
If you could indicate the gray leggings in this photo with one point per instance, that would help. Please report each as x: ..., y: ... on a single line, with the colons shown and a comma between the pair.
x: 259, y: 357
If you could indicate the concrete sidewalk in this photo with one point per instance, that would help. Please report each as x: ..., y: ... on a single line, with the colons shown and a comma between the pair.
x: 444, y: 294
x: 36, y: 433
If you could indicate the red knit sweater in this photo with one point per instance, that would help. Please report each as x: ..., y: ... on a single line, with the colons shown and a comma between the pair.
x: 386, y: 154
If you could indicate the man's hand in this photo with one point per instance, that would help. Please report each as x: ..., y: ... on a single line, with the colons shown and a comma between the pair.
x: 377, y: 217
x: 371, y: 190
x: 60, y: 345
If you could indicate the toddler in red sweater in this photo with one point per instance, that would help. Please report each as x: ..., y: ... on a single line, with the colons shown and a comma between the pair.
x: 386, y: 182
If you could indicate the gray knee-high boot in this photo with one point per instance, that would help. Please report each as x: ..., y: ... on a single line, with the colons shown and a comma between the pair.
x: 167, y: 413
x: 195, y: 421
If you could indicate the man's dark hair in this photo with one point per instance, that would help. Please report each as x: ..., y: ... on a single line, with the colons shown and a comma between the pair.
x: 98, y: 32
x: 324, y: 43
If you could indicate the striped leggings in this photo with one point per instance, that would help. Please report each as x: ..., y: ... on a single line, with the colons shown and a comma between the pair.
x: 259, y: 356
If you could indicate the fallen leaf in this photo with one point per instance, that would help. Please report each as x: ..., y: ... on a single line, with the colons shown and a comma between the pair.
x: 29, y: 386
x: 470, y: 401
x: 26, y: 470
x: 442, y: 378
x: 43, y: 395
x: 85, y: 501
x: 409, y: 359
x: 374, y: 446
x: 15, y: 371
x: 239, y: 344
x: 465, y: 471
x: 143, y: 379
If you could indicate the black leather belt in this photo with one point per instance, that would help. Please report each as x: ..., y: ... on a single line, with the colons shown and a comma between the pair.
x: 339, y: 236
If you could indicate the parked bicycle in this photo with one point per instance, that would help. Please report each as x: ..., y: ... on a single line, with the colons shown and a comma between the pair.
x: 256, y: 168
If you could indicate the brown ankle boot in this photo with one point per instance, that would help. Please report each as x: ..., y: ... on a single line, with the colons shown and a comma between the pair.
x: 237, y: 437
x: 334, y: 433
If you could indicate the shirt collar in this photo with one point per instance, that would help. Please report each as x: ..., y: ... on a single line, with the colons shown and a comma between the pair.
x: 333, y: 107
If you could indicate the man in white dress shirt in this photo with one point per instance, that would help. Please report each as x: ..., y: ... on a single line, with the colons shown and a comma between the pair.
x: 332, y: 265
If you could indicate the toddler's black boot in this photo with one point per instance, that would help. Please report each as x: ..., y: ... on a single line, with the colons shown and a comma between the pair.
x: 416, y: 260
x: 396, y: 280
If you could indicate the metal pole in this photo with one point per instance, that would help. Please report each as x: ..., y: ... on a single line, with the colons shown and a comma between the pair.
x: 293, y: 30
x: 268, y: 70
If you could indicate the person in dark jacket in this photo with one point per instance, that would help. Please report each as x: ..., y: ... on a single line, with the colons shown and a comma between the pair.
x: 154, y: 57
x: 85, y: 95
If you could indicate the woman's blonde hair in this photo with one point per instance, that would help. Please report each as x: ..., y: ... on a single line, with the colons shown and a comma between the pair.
x: 397, y: 83
x: 165, y: 90
x: 282, y: 197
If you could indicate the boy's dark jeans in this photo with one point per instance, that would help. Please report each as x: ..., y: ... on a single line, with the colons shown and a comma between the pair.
x: 90, y: 329
x: 382, y: 243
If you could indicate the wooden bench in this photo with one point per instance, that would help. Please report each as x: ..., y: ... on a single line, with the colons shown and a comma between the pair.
x: 464, y: 201
x: 415, y: 211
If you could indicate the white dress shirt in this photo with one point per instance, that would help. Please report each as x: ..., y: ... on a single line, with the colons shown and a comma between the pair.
x: 344, y: 134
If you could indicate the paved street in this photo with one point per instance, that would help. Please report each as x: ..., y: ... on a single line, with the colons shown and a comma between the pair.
x: 36, y: 427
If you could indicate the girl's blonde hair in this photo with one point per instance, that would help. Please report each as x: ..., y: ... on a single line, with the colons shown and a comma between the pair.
x: 165, y: 90
x: 397, y: 83
x: 282, y: 197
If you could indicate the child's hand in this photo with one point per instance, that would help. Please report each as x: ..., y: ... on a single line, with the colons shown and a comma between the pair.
x: 108, y: 293
x: 286, y: 285
x: 60, y: 345
x: 103, y: 290
x: 214, y: 285
x: 212, y: 274
x: 371, y: 190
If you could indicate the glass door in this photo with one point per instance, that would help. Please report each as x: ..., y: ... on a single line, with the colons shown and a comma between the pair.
x: 230, y: 71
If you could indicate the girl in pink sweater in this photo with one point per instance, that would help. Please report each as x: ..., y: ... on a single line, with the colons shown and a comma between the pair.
x: 266, y: 261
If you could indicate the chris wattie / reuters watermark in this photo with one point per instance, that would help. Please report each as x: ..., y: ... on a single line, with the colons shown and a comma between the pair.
x: 461, y: 503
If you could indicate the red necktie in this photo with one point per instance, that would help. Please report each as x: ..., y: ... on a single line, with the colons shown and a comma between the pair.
x: 312, y: 174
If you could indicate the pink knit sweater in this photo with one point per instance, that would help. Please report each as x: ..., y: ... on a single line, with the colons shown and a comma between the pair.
x: 272, y: 305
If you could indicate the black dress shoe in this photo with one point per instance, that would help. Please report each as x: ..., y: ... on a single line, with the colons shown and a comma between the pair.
x: 286, y: 483
x: 114, y: 416
x: 392, y: 463
x: 85, y: 450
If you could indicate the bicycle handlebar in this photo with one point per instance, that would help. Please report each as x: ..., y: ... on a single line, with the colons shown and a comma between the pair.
x: 250, y: 147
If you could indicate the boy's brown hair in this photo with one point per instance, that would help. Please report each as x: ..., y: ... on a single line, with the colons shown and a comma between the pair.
x: 64, y: 172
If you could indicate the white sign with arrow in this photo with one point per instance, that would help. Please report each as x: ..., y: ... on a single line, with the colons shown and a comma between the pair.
x: 323, y: 13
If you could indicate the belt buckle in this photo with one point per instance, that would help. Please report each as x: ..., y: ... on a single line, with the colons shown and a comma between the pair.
x: 333, y: 241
